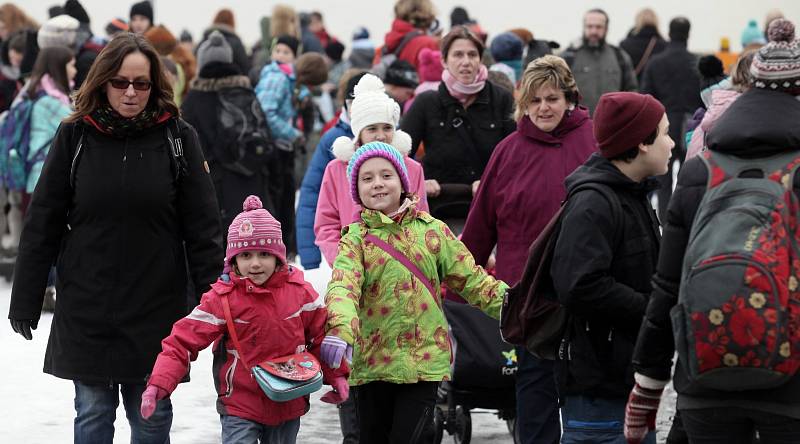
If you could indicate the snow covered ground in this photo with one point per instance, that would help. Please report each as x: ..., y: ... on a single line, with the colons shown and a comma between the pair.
x: 38, y: 408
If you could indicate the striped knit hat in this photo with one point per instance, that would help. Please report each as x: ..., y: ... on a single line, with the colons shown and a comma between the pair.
x: 368, y: 151
x: 776, y: 65
x: 254, y: 229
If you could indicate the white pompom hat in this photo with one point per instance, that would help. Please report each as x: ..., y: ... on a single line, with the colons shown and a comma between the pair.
x: 371, y: 105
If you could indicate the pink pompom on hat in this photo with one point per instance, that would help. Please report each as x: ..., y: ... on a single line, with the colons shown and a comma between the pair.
x: 255, y: 229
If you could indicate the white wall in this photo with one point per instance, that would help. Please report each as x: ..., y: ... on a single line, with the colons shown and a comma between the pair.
x: 558, y: 20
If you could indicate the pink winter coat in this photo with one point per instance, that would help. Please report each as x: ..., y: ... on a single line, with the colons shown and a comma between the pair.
x: 335, y: 207
x: 279, y: 318
x: 721, y: 99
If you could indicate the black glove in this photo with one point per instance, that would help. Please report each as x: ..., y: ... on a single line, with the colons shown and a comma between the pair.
x: 24, y: 327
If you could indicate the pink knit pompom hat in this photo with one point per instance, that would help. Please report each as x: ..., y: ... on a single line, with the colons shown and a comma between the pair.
x: 254, y: 229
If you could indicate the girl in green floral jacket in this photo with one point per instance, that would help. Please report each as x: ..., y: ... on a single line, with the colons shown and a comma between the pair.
x: 384, y: 318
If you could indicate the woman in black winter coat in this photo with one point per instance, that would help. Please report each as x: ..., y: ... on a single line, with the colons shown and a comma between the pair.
x: 123, y: 200
x: 643, y: 41
x: 231, y: 126
x: 461, y: 122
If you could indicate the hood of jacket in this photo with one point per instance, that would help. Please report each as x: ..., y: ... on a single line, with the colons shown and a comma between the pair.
x: 217, y: 84
x: 395, y: 35
x: 598, y: 169
x: 759, y: 123
x: 571, y: 120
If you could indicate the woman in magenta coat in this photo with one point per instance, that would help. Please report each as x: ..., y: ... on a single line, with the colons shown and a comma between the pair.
x: 520, y: 191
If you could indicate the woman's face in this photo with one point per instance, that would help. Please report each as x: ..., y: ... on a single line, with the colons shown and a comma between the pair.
x: 547, y: 108
x: 129, y: 102
x: 71, y: 70
x: 463, y: 60
x: 15, y: 58
x: 377, y: 132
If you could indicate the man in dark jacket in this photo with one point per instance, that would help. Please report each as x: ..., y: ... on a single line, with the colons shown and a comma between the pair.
x: 605, y: 254
x: 232, y: 128
x: 673, y: 79
x: 761, y: 123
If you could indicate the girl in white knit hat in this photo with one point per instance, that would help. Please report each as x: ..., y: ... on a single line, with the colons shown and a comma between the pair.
x: 374, y: 116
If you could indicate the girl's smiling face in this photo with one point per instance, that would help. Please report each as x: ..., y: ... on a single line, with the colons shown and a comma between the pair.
x: 379, y: 185
x: 258, y: 266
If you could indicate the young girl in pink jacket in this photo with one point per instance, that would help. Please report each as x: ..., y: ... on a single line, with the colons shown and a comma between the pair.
x: 374, y: 116
x: 276, y: 313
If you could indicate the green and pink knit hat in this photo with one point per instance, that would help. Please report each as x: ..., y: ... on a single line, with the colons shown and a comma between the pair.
x: 376, y: 149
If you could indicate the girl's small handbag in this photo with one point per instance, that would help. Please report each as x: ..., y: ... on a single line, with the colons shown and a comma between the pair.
x: 282, y: 379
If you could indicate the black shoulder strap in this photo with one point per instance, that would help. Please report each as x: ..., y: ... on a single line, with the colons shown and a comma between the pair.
x: 76, y: 154
x: 406, y: 38
x: 176, y: 157
x: 613, y: 200
x: 621, y: 63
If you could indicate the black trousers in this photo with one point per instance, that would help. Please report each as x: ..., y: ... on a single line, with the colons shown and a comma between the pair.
x: 348, y: 421
x: 396, y: 413
x: 736, y: 425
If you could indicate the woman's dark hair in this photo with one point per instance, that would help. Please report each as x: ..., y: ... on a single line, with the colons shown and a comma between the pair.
x: 631, y: 153
x: 92, y: 94
x: 460, y: 32
x: 51, y: 61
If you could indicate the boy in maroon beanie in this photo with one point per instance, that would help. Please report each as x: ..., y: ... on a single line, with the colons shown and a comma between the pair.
x: 605, y: 254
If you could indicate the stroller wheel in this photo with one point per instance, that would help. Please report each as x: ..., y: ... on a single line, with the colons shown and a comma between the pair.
x: 438, y: 424
x: 463, y: 432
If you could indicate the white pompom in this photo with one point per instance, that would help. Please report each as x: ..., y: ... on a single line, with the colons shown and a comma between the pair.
x: 402, y: 142
x: 368, y: 83
x: 343, y: 148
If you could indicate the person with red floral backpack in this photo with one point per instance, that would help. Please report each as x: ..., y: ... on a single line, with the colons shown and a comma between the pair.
x: 725, y: 292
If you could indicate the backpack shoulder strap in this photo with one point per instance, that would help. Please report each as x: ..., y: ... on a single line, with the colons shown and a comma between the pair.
x: 76, y: 150
x: 406, y: 39
x: 175, y: 141
x: 613, y: 200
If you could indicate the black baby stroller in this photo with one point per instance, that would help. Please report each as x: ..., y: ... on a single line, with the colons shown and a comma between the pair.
x: 484, y: 370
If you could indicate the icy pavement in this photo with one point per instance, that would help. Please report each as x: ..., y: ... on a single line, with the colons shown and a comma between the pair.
x: 38, y: 408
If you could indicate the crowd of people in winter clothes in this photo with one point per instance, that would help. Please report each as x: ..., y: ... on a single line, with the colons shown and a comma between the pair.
x: 439, y: 156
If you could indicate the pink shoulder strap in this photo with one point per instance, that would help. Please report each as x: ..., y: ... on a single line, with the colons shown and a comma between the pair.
x: 403, y: 260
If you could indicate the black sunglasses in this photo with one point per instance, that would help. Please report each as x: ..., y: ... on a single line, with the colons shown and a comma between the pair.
x: 138, y: 85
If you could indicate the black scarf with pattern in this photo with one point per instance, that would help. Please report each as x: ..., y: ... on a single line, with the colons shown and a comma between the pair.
x: 109, y: 121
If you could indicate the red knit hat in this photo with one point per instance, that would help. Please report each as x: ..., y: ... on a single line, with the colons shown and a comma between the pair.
x: 255, y: 229
x: 622, y: 120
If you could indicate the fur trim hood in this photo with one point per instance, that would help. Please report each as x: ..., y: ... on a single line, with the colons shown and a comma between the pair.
x: 210, y: 85
x: 344, y: 147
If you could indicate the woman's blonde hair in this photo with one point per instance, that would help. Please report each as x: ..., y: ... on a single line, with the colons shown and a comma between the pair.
x: 645, y: 17
x: 420, y: 13
x: 548, y: 70
x: 740, y: 71
x: 284, y: 21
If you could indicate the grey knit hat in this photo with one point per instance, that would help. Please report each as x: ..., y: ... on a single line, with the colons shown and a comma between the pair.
x: 776, y: 65
x: 61, y: 30
x: 214, y: 49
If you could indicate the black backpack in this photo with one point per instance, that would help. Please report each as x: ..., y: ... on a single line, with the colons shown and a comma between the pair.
x: 244, y: 126
x: 531, y: 315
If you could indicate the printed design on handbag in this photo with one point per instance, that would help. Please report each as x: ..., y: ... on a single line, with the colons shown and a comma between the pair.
x: 297, y: 367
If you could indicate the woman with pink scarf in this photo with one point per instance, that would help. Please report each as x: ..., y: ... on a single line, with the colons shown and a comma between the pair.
x: 460, y: 122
